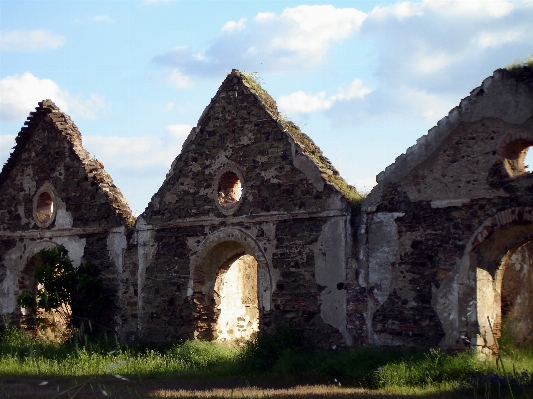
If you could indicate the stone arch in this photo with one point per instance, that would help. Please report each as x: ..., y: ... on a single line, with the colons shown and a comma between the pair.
x: 482, y: 272
x: 216, y: 254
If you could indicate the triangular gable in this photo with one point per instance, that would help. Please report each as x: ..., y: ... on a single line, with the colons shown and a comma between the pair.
x: 240, y: 120
x: 56, y: 125
x: 506, y: 95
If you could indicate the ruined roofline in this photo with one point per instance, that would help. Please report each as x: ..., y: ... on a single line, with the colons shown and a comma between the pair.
x: 301, y: 140
x: 472, y: 108
x: 67, y: 128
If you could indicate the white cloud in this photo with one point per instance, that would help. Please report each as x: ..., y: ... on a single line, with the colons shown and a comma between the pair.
x: 19, y: 95
x: 264, y: 16
x: 103, y: 18
x: 177, y: 79
x: 232, y: 25
x: 301, y: 102
x: 169, y: 106
x: 471, y: 8
x: 400, y: 11
x: 138, y: 152
x: 296, y: 39
x: 30, y: 40
x: 312, y: 29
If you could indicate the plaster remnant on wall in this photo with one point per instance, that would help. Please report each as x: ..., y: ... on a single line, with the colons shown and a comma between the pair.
x: 16, y: 259
x: 450, y: 202
x: 382, y: 251
x: 63, y: 218
x: 116, y: 245
x: 330, y: 269
x: 308, y: 167
x: 445, y: 301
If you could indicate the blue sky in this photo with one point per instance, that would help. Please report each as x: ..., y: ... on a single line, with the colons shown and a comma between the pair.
x: 364, y: 79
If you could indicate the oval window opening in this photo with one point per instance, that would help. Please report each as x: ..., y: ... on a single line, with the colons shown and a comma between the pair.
x: 229, y: 189
x: 45, y: 208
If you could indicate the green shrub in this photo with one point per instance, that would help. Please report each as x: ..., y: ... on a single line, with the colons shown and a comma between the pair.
x: 263, y: 351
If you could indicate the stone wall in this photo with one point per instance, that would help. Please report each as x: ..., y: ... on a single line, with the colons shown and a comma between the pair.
x: 53, y: 193
x: 288, y: 213
x: 443, y: 219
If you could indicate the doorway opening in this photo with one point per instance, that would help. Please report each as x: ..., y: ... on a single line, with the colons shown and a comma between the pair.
x: 53, y: 325
x: 226, y: 294
x: 517, y: 296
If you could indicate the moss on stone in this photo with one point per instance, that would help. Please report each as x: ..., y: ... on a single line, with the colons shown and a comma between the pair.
x: 309, y: 148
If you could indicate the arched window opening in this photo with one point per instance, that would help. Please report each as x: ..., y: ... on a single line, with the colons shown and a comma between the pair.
x: 516, y: 161
x: 229, y: 189
x: 45, y: 207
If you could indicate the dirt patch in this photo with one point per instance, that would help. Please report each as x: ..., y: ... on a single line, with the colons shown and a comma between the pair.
x: 237, y: 387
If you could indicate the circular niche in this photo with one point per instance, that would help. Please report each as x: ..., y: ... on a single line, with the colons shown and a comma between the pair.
x: 229, y: 190
x: 44, y: 206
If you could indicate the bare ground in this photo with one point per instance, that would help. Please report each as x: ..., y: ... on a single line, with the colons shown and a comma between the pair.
x: 112, y: 387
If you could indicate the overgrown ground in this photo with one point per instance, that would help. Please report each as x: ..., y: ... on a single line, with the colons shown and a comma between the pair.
x: 272, y: 366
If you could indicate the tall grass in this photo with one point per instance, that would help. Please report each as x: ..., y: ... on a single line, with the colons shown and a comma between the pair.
x: 283, y: 354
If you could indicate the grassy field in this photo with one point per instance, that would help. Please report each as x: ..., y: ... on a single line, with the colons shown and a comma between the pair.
x: 273, y: 366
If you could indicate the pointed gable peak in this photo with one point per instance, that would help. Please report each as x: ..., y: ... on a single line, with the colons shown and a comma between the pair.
x: 303, y: 141
x: 48, y: 112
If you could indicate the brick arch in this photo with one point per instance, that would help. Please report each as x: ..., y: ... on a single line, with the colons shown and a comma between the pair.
x: 214, y: 255
x: 482, y: 269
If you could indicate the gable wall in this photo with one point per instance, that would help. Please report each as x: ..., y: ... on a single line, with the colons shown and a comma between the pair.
x: 431, y: 211
x: 298, y: 224
x: 85, y: 222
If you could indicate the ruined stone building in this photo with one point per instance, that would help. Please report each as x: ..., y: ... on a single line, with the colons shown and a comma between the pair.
x: 253, y: 227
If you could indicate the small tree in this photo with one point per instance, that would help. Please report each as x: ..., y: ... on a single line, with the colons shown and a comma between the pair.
x: 75, y: 295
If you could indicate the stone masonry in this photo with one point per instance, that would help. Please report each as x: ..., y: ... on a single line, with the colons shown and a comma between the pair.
x: 253, y: 227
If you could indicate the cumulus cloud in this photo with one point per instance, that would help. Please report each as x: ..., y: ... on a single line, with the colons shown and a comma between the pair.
x: 19, y: 95
x: 177, y: 79
x: 232, y: 25
x: 103, y: 18
x: 296, y: 39
x: 301, y: 102
x: 30, y: 40
x: 138, y: 152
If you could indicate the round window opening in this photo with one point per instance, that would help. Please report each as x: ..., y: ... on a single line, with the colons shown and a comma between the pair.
x: 229, y: 190
x: 45, y: 208
x: 517, y: 158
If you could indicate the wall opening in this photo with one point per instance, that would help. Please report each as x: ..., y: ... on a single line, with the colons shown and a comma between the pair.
x: 53, y: 325
x: 229, y: 189
x: 516, y: 161
x: 235, y: 297
x: 517, y: 296
x: 528, y: 160
x: 226, y: 294
x: 44, y: 206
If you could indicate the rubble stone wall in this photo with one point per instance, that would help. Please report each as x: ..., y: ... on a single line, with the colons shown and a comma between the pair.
x: 288, y: 217
x: 53, y: 193
x: 443, y: 218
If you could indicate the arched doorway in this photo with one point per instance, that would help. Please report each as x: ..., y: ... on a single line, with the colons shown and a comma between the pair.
x: 52, y: 325
x: 230, y: 287
x: 499, y: 280
x: 517, y: 296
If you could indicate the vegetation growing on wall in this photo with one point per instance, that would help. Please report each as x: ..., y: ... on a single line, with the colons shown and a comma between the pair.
x: 76, y: 295
x: 329, y: 173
